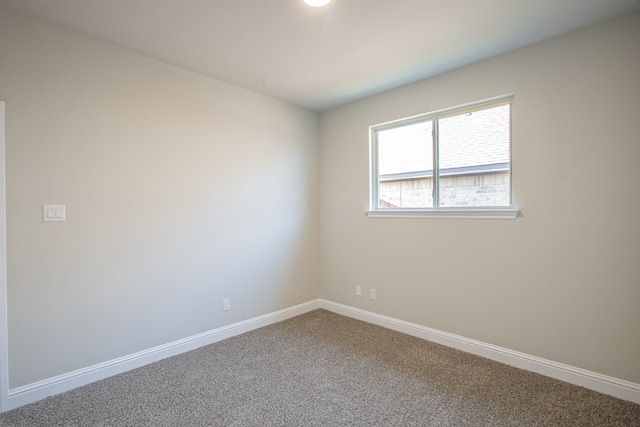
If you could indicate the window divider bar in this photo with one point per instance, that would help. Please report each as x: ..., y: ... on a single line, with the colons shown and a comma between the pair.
x: 435, y: 182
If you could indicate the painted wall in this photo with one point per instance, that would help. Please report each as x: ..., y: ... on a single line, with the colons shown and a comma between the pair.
x: 561, y: 282
x: 180, y: 191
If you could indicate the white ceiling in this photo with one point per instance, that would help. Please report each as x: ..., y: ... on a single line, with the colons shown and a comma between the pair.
x: 320, y: 58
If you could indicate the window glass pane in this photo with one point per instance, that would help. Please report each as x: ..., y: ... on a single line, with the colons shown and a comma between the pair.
x: 405, y: 166
x: 474, y: 158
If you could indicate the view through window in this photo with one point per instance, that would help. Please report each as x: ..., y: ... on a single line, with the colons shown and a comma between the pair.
x: 458, y: 158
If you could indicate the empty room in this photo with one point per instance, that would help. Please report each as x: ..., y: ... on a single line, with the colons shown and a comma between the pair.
x: 284, y: 212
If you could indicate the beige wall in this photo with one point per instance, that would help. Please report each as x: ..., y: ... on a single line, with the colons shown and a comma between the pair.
x: 180, y: 191
x: 563, y: 281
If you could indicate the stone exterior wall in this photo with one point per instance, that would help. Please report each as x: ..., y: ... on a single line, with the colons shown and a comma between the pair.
x: 456, y: 191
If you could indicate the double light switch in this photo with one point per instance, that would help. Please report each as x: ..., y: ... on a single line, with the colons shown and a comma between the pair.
x: 53, y: 213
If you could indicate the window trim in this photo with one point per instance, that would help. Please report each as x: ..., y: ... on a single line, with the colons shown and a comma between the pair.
x: 445, y: 213
x: 471, y: 212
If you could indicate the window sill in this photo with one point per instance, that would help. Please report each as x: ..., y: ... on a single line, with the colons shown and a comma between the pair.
x: 445, y: 213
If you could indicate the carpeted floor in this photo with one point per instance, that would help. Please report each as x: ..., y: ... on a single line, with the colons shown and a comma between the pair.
x: 322, y: 369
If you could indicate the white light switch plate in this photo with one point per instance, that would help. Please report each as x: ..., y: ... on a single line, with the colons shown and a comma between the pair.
x: 54, y: 213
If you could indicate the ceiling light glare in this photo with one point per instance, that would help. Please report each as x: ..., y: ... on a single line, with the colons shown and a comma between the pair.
x: 317, y: 3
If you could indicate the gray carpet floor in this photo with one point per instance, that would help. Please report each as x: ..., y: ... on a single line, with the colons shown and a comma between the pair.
x: 322, y: 369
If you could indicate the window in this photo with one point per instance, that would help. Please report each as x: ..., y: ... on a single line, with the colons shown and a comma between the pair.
x: 450, y: 163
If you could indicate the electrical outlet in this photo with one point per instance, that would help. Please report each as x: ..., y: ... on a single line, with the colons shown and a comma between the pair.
x: 372, y: 293
x: 226, y: 304
x: 358, y: 290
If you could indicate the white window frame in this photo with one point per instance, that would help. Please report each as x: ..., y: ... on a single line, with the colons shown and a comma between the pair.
x: 507, y: 212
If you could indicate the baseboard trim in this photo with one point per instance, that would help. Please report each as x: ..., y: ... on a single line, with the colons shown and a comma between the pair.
x: 30, y: 393
x: 602, y: 383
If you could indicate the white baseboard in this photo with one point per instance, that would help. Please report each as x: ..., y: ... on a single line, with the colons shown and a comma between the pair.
x: 602, y: 383
x: 36, y: 391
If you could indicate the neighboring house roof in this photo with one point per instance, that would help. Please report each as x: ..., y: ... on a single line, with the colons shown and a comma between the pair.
x: 407, y: 149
